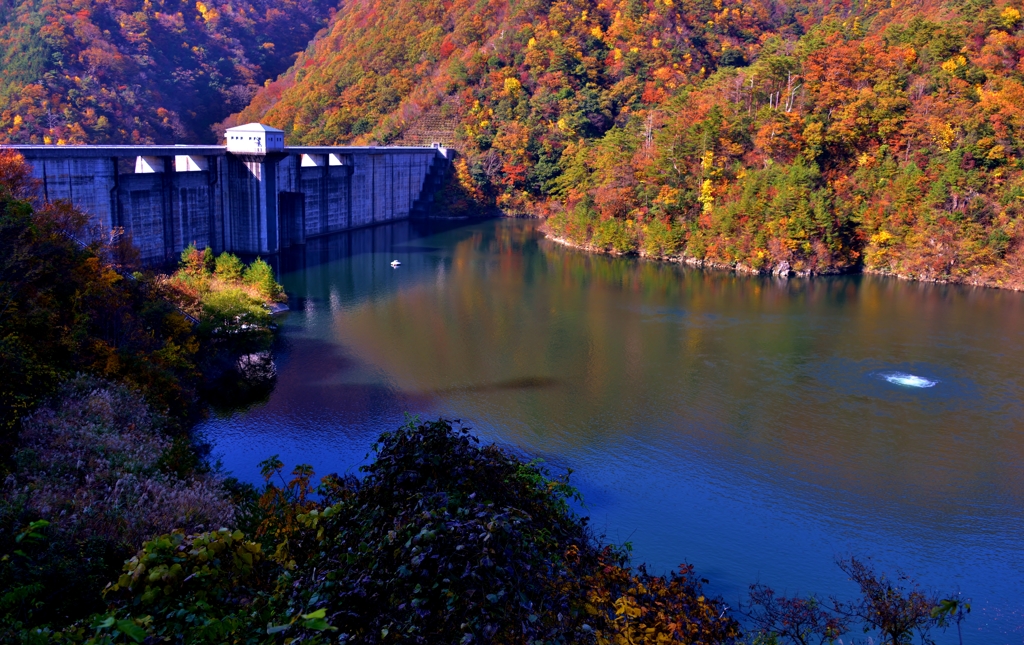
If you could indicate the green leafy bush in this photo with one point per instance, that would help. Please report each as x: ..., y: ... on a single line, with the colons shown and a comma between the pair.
x: 233, y: 310
x: 260, y: 275
x: 200, y: 588
x: 228, y: 267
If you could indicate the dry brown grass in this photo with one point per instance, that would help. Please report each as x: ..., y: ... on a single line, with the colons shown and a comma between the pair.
x: 91, y: 463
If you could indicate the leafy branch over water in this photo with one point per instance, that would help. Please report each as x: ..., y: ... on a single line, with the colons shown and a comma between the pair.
x: 896, y: 610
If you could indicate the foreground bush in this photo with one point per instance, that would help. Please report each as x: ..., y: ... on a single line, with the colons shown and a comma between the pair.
x: 444, y: 541
x: 441, y: 542
x: 94, y: 477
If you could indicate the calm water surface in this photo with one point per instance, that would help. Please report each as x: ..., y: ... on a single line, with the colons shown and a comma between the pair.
x: 745, y: 425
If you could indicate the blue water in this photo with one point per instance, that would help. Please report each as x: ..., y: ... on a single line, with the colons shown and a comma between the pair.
x: 757, y: 428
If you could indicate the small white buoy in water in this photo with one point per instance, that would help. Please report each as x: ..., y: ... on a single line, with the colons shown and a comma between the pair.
x: 395, y: 264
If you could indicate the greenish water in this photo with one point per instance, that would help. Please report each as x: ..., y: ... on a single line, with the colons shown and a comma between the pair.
x: 754, y: 427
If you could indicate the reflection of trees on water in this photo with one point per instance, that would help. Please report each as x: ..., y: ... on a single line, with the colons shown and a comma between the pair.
x: 241, y: 376
x: 257, y: 367
x: 696, y: 358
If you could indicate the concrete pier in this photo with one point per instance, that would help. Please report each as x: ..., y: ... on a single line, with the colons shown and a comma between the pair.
x: 256, y: 201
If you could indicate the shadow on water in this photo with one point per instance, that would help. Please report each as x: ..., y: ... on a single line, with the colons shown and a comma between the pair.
x: 524, y: 383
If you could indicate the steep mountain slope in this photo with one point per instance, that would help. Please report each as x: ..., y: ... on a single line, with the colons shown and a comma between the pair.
x: 383, y: 62
x: 765, y: 134
x: 141, y: 70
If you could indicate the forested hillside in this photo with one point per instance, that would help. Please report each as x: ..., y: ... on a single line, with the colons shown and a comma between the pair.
x: 136, y: 71
x: 760, y: 134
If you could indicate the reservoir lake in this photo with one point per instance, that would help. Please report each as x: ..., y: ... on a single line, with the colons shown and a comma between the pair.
x: 755, y: 427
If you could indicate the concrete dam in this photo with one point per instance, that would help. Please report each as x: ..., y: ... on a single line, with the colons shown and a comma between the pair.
x: 251, y: 196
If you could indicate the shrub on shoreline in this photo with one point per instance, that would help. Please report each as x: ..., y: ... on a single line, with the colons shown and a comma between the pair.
x: 205, y: 286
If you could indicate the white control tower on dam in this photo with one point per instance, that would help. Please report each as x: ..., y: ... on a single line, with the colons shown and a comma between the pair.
x: 253, y: 195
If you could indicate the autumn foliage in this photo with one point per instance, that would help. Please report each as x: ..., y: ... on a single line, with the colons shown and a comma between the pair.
x: 140, y: 71
x: 770, y: 135
x: 65, y: 309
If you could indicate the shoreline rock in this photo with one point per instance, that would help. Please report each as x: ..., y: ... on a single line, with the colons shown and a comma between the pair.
x: 782, y: 270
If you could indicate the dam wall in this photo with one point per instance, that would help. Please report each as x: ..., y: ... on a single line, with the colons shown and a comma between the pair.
x: 252, y: 202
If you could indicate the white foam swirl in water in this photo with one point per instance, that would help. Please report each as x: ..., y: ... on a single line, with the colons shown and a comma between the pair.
x: 908, y: 380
